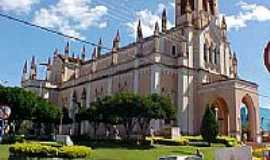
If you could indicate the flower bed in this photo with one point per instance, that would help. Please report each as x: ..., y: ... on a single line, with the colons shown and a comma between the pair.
x: 46, y: 150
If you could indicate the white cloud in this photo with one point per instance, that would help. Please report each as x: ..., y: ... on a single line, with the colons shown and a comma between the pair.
x: 148, y: 20
x: 17, y: 6
x: 248, y: 13
x: 71, y: 16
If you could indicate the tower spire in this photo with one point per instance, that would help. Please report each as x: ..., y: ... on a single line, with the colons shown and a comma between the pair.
x: 164, y: 20
x: 116, y: 41
x: 223, y: 23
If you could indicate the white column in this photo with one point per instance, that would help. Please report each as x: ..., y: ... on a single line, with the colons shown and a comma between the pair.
x: 155, y: 79
x: 185, y: 113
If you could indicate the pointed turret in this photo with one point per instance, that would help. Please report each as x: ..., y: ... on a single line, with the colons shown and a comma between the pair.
x: 25, y: 67
x: 55, y: 52
x: 156, y: 39
x: 156, y: 32
x: 139, y: 32
x: 49, y: 67
x: 33, y: 72
x: 116, y: 41
x: 188, y: 11
x: 164, y: 20
x: 78, y: 60
x: 67, y: 49
x: 235, y: 65
x: 83, y: 51
x: 99, y: 47
x: 94, y: 54
x: 49, y: 64
x: 25, y: 70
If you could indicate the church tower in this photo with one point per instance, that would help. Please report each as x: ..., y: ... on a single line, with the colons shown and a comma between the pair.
x: 200, y: 9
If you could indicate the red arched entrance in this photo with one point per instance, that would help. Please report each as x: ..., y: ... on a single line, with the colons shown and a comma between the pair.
x: 220, y: 108
x: 251, y: 128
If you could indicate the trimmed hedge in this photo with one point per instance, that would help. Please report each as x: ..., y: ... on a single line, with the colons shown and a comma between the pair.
x: 228, y: 141
x: 170, y: 142
x: 109, y: 142
x: 44, y: 151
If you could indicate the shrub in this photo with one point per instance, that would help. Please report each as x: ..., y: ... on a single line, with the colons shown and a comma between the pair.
x: 209, y: 127
x: 44, y: 151
x: 11, y: 139
x: 74, y: 152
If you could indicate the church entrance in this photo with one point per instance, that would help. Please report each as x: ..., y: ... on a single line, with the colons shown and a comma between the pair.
x: 248, y: 119
x: 220, y: 108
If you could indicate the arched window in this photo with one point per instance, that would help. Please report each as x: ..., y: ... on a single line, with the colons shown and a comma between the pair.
x: 217, y: 54
x: 211, y: 54
x: 83, y: 98
x: 173, y: 50
x: 205, y: 53
x: 212, y: 7
x: 184, y: 4
x: 205, y: 5
x: 73, y: 110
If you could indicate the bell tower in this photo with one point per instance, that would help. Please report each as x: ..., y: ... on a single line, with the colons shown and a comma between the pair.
x: 200, y: 8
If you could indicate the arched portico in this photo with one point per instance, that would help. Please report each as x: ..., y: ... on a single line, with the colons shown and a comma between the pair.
x: 226, y: 97
x: 221, y: 110
x: 252, y: 117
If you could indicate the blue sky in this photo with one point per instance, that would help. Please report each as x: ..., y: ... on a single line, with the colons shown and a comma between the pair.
x: 248, y: 21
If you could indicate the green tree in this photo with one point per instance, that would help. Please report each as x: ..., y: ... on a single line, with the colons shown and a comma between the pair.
x: 28, y: 106
x: 209, y: 126
x: 126, y: 108
x: 155, y: 107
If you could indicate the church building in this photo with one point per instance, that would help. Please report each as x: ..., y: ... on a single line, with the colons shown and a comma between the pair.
x: 192, y: 63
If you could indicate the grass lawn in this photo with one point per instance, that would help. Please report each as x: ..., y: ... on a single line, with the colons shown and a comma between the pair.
x: 119, y: 153
x: 3, y: 152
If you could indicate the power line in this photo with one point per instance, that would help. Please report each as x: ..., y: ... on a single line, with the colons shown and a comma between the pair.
x: 51, y: 30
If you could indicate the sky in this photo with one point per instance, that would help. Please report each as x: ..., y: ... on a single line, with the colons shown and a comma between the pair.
x: 248, y: 24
